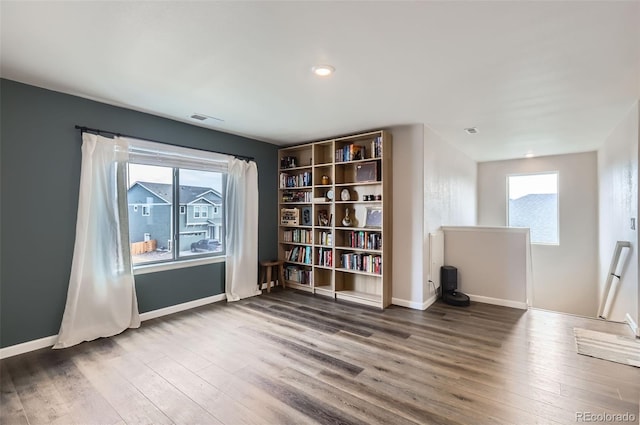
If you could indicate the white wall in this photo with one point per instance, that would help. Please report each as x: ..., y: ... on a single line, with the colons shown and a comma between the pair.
x: 408, y: 222
x: 492, y: 263
x: 434, y: 184
x: 565, y: 277
x: 618, y: 185
x: 450, y: 195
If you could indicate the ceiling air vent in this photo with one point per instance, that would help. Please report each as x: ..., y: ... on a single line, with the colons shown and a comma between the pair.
x: 471, y: 130
x: 203, y: 117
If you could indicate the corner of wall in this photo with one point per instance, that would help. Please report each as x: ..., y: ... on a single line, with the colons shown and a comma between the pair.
x: 450, y: 192
x: 619, y: 196
x: 408, y: 269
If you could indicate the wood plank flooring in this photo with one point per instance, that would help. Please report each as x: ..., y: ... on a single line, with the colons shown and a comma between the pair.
x: 293, y: 358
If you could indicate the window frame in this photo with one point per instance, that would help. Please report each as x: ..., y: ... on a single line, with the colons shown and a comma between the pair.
x: 177, y: 261
x: 154, y: 153
x: 146, y: 210
x: 557, y: 214
x: 183, y: 209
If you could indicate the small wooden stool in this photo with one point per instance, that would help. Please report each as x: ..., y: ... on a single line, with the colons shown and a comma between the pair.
x: 265, y: 268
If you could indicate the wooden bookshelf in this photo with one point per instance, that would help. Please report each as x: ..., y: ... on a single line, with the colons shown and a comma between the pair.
x: 350, y: 260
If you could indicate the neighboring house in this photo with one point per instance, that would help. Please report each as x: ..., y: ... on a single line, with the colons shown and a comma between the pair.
x: 200, y: 214
x: 534, y: 211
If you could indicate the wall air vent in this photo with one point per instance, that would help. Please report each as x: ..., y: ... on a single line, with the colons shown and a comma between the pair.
x: 198, y: 117
x: 471, y: 130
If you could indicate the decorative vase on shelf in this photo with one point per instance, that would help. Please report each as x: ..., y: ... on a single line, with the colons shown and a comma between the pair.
x: 325, y: 180
x: 346, y: 221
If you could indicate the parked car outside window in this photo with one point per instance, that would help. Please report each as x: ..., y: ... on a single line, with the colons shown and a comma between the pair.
x: 206, y: 245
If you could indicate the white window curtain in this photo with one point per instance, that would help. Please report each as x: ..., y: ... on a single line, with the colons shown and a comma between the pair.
x: 101, y: 299
x: 242, y: 230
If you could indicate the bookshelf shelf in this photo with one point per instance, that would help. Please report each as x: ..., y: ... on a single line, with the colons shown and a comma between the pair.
x: 356, y: 161
x: 294, y: 187
x: 303, y: 167
x: 331, y: 186
x: 360, y: 202
x: 370, y: 183
x: 296, y: 243
x: 348, y: 248
x: 297, y: 263
x: 358, y: 272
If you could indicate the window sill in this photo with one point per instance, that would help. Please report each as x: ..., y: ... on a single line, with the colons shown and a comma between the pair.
x: 153, y: 268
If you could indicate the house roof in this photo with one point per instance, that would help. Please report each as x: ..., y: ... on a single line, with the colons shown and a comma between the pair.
x: 535, y: 211
x: 188, y: 194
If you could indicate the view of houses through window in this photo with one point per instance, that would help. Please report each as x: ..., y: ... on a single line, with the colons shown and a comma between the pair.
x: 533, y: 203
x: 174, y: 213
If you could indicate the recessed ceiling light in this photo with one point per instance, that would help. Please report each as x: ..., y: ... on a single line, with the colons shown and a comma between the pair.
x: 323, y: 70
x: 471, y: 130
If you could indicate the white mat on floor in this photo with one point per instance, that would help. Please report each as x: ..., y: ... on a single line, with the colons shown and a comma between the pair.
x: 615, y: 348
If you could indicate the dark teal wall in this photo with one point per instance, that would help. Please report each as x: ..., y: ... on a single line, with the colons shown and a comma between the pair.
x: 40, y: 176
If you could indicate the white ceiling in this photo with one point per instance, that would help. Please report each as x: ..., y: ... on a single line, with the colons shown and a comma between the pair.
x: 545, y: 77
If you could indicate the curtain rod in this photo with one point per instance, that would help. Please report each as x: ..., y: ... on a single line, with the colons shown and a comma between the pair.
x: 96, y: 130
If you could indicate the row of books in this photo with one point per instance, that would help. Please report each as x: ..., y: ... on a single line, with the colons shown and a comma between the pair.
x: 297, y: 235
x: 299, y: 180
x: 376, y: 147
x: 362, y: 262
x: 294, y: 274
x: 325, y: 257
x: 298, y: 196
x: 364, y: 240
x: 350, y: 153
x: 299, y: 254
x: 325, y: 238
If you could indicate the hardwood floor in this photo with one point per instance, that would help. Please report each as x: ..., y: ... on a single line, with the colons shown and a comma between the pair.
x: 292, y: 358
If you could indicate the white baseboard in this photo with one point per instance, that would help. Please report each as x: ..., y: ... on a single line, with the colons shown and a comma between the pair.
x: 498, y: 301
x: 181, y: 307
x: 632, y: 324
x: 49, y: 341
x: 413, y: 304
x: 25, y: 347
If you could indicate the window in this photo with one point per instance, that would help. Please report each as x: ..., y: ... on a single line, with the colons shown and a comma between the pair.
x: 533, y: 203
x: 215, y: 210
x: 200, y: 211
x: 167, y: 235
